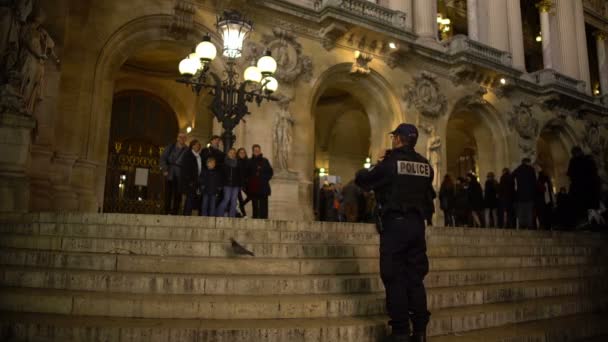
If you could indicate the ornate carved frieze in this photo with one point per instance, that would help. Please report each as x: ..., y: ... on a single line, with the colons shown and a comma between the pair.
x: 476, y: 98
x: 361, y: 64
x: 292, y: 63
x: 331, y: 34
x: 522, y: 120
x: 425, y: 95
x: 593, y: 138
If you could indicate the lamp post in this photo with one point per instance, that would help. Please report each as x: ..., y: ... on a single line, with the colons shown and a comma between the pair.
x: 230, y: 98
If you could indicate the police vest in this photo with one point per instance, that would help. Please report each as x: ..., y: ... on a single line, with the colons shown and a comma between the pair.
x: 412, y: 179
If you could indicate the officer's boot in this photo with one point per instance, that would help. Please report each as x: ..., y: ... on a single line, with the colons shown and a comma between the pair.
x: 418, y: 337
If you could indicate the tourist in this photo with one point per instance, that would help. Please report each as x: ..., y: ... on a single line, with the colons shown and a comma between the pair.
x: 544, y: 199
x: 563, y: 219
x: 475, y: 198
x: 211, y: 183
x: 447, y: 194
x: 506, y: 199
x: 259, y: 174
x: 170, y: 162
x: 490, y: 200
x: 351, y: 195
x: 525, y: 191
x: 190, y: 173
x: 429, y: 209
x: 232, y: 181
x: 585, y: 185
x: 213, y: 151
x: 243, y: 162
x: 461, y: 203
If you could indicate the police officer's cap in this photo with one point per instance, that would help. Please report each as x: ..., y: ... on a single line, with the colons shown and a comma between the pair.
x: 407, y: 130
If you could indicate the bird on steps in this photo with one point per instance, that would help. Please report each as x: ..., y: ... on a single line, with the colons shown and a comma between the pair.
x: 238, y: 249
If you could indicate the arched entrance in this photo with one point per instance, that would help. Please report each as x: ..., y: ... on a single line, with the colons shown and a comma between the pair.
x: 475, y: 141
x: 352, y: 116
x: 142, y: 125
x: 553, y: 151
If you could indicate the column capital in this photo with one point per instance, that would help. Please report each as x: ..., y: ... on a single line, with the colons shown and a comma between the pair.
x: 600, y: 35
x: 544, y: 6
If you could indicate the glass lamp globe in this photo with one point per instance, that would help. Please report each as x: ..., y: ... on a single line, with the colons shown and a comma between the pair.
x: 196, y: 62
x: 270, y: 84
x: 234, y: 29
x: 253, y: 74
x: 267, y: 64
x: 205, y: 50
x: 187, y: 67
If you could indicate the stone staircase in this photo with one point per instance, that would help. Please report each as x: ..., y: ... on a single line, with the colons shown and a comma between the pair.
x: 113, y: 277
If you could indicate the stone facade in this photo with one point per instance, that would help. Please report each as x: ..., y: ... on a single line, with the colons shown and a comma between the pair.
x: 385, y: 57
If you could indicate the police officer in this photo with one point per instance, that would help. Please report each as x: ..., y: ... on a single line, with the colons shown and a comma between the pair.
x: 401, y: 182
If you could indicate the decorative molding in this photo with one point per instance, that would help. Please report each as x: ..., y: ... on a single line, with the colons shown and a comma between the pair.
x: 361, y: 64
x: 287, y: 51
x: 425, y: 95
x: 183, y: 20
x: 331, y: 34
x: 522, y: 120
x: 476, y: 98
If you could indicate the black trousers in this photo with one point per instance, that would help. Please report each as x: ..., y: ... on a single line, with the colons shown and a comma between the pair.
x: 173, y: 197
x: 403, y: 266
x: 260, y: 207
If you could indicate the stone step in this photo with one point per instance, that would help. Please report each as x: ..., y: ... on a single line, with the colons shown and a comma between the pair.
x: 167, y: 283
x: 271, y: 250
x: 342, y: 234
x: 137, y: 220
x: 194, y: 305
x: 571, y: 314
x: 261, y: 266
x: 578, y: 328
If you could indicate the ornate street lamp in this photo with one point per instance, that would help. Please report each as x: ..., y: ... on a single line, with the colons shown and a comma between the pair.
x: 230, y: 98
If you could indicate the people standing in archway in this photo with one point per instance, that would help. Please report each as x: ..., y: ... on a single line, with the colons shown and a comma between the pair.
x: 213, y: 151
x: 259, y: 174
x: 351, y: 194
x: 211, y: 184
x: 170, y: 164
x: 447, y: 195
x: 544, y: 199
x: 243, y: 162
x: 525, y: 190
x: 506, y: 200
x: 490, y: 200
x: 585, y: 185
x: 475, y: 199
x: 190, y: 172
x: 461, y: 203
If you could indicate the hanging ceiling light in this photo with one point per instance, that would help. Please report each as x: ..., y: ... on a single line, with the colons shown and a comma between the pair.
x: 233, y: 28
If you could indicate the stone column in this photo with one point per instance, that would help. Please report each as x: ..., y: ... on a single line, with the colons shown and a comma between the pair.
x: 497, y: 25
x: 15, y: 141
x: 516, y: 36
x: 581, y: 45
x: 472, y: 20
x: 544, y: 7
x: 425, y: 19
x: 602, y: 61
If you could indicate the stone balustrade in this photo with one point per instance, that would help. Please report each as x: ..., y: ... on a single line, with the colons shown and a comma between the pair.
x: 368, y: 10
x: 598, y: 6
x: 462, y: 44
x: 548, y: 77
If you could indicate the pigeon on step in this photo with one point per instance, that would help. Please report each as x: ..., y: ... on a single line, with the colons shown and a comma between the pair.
x: 238, y: 249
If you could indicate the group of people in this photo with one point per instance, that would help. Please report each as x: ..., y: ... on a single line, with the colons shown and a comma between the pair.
x: 523, y: 198
x: 348, y: 203
x: 213, y: 181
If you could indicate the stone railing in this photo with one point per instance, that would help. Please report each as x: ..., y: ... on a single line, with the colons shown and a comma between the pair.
x: 462, y: 44
x: 549, y: 76
x: 598, y: 6
x: 368, y: 10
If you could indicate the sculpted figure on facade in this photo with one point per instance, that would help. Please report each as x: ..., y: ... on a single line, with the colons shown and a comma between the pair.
x: 283, y: 134
x: 292, y: 63
x: 433, y: 152
x: 425, y: 96
x: 37, y: 47
x: 13, y: 15
x: 522, y: 120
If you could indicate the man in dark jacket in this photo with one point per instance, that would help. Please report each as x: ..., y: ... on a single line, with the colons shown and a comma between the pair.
x: 525, y: 190
x: 544, y: 199
x: 190, y: 173
x: 506, y: 199
x: 213, y: 151
x: 585, y: 185
x: 170, y: 164
x: 211, y: 185
x: 259, y: 174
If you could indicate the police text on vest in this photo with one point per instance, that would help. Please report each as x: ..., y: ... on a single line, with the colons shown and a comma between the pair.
x: 411, y: 168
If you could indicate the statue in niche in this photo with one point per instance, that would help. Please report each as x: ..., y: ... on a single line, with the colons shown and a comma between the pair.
x: 433, y: 152
x: 13, y: 15
x: 283, y: 134
x: 37, y: 46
